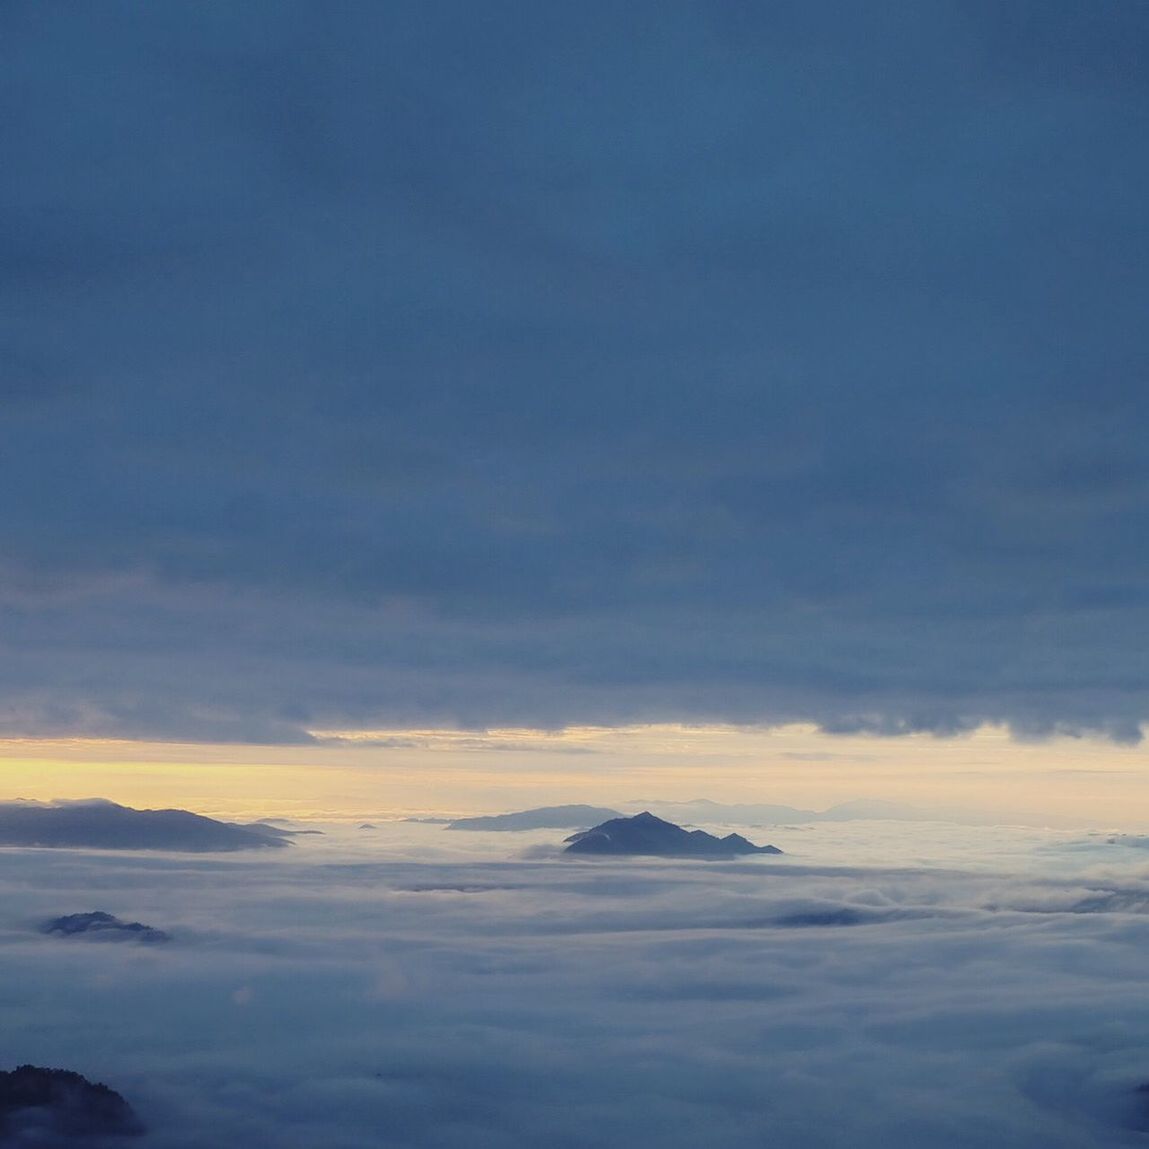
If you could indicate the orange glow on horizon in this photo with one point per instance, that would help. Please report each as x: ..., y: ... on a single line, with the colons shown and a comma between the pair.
x: 348, y: 774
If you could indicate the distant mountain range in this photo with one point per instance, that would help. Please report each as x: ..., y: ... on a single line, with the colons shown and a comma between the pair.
x: 99, y: 824
x: 768, y: 814
x: 542, y: 818
x: 645, y: 834
x: 702, y: 810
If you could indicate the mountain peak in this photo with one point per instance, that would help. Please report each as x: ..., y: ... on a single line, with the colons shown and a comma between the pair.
x: 647, y: 835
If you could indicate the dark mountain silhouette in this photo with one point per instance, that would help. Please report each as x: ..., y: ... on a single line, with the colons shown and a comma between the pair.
x: 54, y: 1108
x: 104, y: 825
x: 542, y: 818
x: 644, y: 834
x: 101, y: 925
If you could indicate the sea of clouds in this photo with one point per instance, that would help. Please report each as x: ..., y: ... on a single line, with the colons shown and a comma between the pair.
x: 882, y: 984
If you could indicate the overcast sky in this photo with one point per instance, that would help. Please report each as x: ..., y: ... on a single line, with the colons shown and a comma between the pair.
x: 445, y: 363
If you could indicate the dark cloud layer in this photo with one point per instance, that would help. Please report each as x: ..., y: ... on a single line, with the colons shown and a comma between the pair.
x: 543, y: 364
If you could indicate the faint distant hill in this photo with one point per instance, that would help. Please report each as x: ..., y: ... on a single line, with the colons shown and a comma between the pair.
x: 99, y: 824
x: 56, y: 1108
x: 740, y: 813
x: 768, y: 814
x: 542, y: 818
x: 876, y: 809
x: 645, y: 834
x: 272, y: 828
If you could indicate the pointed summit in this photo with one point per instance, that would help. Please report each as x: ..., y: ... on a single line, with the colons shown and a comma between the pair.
x: 651, y: 836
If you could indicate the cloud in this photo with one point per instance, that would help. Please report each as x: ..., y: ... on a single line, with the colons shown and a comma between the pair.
x: 423, y: 364
x: 349, y: 994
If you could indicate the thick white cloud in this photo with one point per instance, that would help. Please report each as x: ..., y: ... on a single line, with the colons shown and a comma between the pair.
x: 356, y: 994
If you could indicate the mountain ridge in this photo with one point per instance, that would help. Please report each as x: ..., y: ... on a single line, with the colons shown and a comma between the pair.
x: 104, y: 825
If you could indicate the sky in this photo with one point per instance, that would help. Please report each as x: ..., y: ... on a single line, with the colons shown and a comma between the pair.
x: 985, y: 776
x: 429, y: 367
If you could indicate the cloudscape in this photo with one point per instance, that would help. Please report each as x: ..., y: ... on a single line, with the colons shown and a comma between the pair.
x: 529, y: 364
x: 574, y: 574
x: 471, y: 1000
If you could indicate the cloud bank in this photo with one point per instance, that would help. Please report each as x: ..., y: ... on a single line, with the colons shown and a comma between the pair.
x: 433, y: 363
x: 348, y: 997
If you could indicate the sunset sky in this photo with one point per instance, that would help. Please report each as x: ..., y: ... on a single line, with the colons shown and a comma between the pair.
x: 436, y: 406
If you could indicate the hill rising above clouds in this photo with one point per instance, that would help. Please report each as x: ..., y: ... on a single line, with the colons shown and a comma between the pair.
x: 644, y: 834
x: 103, y: 825
x: 54, y: 1108
x: 104, y: 926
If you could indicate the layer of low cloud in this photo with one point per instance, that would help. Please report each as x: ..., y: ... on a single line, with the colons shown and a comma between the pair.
x: 373, y: 990
x: 519, y: 364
